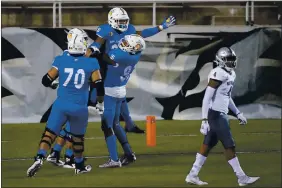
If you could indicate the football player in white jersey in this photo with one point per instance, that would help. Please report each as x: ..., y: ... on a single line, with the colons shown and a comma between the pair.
x: 215, y: 125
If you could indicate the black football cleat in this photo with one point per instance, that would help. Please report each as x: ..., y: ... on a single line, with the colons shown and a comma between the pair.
x: 69, y: 162
x: 127, y: 159
x: 135, y: 129
x: 54, y: 158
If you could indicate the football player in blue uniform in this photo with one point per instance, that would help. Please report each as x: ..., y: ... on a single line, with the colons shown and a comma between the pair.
x: 117, y: 27
x: 74, y: 71
x: 122, y: 62
x: 65, y: 137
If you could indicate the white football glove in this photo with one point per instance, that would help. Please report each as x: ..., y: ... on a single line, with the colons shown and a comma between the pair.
x: 95, y: 50
x: 55, y: 84
x: 205, y: 127
x: 100, y: 107
x: 242, y: 119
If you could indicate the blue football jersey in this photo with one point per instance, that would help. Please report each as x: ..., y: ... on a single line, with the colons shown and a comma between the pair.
x: 74, y: 74
x: 118, y: 76
x: 111, y: 36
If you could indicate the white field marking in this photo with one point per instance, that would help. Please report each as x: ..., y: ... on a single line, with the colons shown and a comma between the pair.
x: 155, y: 154
x: 164, y: 135
x: 258, y: 133
x: 6, y: 141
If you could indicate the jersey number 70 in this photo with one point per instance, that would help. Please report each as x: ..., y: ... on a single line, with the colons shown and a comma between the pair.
x: 77, y: 74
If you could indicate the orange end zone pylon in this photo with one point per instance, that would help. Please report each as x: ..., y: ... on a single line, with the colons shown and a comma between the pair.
x: 151, y: 131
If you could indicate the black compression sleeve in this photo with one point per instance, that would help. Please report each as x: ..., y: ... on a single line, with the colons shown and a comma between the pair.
x: 99, y: 85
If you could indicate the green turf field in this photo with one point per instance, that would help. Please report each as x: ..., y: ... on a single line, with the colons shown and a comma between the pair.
x: 166, y: 165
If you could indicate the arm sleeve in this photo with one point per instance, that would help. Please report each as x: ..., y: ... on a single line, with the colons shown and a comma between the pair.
x: 102, y: 31
x: 55, y: 63
x: 206, y: 101
x: 233, y: 107
x: 114, y: 55
x: 149, y: 32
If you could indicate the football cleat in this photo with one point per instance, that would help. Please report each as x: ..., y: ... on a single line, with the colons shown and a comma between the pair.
x: 111, y: 164
x: 246, y: 180
x: 194, y: 180
x: 86, y: 169
x: 69, y: 162
x: 54, y: 158
x: 126, y: 159
x: 135, y: 130
x: 31, y: 171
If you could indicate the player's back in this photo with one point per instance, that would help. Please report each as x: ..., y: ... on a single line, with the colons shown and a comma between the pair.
x: 74, y: 75
x: 119, y: 75
x: 112, y: 36
x: 220, y: 100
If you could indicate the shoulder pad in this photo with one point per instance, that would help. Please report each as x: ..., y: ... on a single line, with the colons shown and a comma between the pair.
x: 104, y: 30
x: 218, y: 74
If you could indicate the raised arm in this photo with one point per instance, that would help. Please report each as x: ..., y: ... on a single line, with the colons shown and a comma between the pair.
x: 168, y: 22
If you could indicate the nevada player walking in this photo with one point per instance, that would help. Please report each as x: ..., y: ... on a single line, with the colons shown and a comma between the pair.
x: 74, y: 71
x: 215, y: 125
x: 123, y: 61
x: 117, y: 27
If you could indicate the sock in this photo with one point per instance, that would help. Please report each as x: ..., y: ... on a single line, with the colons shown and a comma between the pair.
x: 69, y: 153
x: 234, y: 163
x: 112, y: 147
x: 200, y: 160
x: 57, y: 148
x: 121, y: 136
x: 42, y: 152
x: 125, y: 114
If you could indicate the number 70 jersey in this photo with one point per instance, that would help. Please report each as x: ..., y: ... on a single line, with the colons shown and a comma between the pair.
x: 220, y: 100
x: 74, y: 75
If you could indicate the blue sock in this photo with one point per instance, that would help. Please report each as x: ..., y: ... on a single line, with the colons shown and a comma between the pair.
x: 78, y: 159
x: 93, y: 95
x: 69, y: 152
x: 42, y: 152
x: 126, y: 116
x: 121, y: 136
x: 112, y: 147
x: 58, y: 148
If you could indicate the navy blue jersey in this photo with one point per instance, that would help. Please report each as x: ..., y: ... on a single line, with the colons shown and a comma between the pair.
x: 118, y: 76
x: 74, y: 74
x: 111, y: 36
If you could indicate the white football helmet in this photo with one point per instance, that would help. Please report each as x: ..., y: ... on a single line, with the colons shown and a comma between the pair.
x: 77, y: 45
x: 118, y: 19
x: 132, y: 43
x: 76, y: 31
x: 225, y: 57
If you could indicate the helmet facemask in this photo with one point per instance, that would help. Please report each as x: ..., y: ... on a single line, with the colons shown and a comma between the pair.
x: 118, y: 19
x: 132, y: 43
x: 226, y: 58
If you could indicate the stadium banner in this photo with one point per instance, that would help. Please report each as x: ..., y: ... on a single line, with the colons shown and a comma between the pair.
x: 169, y: 81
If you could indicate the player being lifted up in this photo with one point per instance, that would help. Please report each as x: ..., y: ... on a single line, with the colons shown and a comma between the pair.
x: 123, y: 61
x: 74, y: 71
x: 215, y: 125
x: 117, y: 27
x: 65, y: 137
